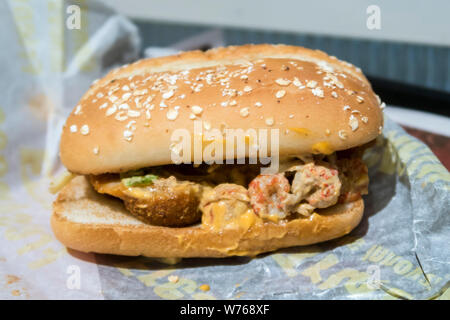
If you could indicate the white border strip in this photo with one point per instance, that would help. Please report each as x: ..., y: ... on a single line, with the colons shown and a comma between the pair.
x: 416, y: 21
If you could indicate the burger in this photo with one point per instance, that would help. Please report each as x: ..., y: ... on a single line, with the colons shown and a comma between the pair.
x: 152, y: 169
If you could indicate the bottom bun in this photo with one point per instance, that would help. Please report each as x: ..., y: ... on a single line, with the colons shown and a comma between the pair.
x: 87, y: 221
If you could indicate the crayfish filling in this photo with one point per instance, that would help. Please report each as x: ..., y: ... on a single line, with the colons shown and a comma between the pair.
x: 232, y: 196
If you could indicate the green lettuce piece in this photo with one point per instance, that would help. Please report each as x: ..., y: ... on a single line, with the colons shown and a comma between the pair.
x: 139, y: 180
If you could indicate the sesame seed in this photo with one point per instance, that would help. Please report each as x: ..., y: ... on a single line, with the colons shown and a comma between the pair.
x: 342, y: 134
x: 73, y: 128
x: 137, y: 103
x: 327, y: 132
x: 244, y: 112
x: 99, y: 95
x: 258, y: 104
x: 247, y: 89
x: 113, y: 89
x: 353, y: 122
x: 77, y: 110
x: 131, y: 125
x: 121, y: 116
x: 173, y: 279
x: 196, y: 109
x: 346, y: 108
x: 280, y: 94
x: 124, y: 106
x: 233, y: 103
x: 172, y: 114
x: 128, y: 135
x: 325, y: 66
x: 103, y: 105
x: 283, y: 82
x: 192, y: 116
x: 364, y: 119
x: 111, y: 110
x: 113, y: 99
x: 311, y: 84
x: 198, y: 88
x: 334, y: 94
x: 133, y: 113
x: 84, y: 130
x: 126, y: 96
x: 318, y: 92
x: 359, y: 99
x: 95, y: 150
x: 140, y: 92
x: 206, y: 125
x: 382, y: 105
x: 297, y: 82
x: 125, y: 88
x: 269, y: 121
x: 167, y: 94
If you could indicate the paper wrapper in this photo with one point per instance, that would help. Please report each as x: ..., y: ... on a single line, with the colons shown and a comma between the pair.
x: 400, y: 249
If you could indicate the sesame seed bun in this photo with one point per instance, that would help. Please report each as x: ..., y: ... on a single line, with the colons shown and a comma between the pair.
x: 126, y: 119
x: 87, y: 221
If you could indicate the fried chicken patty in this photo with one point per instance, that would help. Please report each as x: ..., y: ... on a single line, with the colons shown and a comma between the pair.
x: 166, y: 202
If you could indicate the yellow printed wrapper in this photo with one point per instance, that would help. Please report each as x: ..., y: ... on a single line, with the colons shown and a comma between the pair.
x: 52, y: 51
x: 399, y: 251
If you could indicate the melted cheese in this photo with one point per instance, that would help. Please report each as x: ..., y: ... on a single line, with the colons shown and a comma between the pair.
x: 138, y: 193
x: 109, y: 186
x: 247, y: 220
x: 218, y: 216
x: 116, y: 188
x: 322, y: 147
x: 273, y: 217
x: 302, y: 131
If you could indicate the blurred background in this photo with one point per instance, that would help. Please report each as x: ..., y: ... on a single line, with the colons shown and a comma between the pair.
x: 402, y: 46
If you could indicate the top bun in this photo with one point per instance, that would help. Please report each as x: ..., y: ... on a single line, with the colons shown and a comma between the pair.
x: 125, y: 120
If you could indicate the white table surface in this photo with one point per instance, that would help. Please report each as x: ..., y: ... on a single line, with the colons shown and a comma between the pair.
x: 420, y: 120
